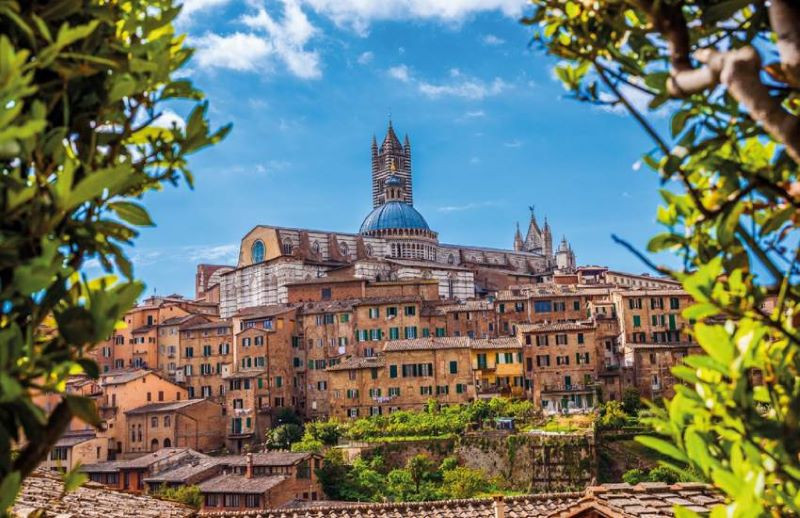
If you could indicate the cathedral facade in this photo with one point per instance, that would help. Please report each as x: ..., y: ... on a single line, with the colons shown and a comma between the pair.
x: 394, y: 242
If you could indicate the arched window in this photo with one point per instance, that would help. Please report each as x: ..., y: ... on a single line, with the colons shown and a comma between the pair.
x: 315, y: 247
x: 344, y: 249
x: 287, y: 247
x: 451, y: 259
x: 167, y: 443
x: 257, y: 252
x: 154, y: 445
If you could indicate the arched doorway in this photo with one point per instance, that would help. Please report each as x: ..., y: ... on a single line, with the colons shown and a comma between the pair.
x: 167, y: 443
x: 154, y: 445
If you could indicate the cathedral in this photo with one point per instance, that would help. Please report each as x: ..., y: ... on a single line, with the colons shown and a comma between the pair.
x: 394, y: 243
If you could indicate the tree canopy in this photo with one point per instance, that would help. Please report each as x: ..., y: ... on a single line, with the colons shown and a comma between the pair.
x: 84, y: 87
x: 727, y: 72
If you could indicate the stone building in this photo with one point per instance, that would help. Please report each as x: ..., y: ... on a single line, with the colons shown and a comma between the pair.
x: 652, y: 365
x: 561, y: 365
x: 393, y: 243
x: 652, y: 315
x: 192, y: 423
x: 497, y: 367
x: 204, y: 350
x: 128, y: 389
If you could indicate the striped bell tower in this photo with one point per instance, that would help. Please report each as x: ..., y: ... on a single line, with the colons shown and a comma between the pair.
x: 391, y: 158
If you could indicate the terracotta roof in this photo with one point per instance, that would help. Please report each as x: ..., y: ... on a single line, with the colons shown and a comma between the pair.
x: 44, y: 490
x: 422, y: 344
x: 103, y: 467
x: 177, y: 320
x: 227, y: 483
x: 468, y: 305
x: 529, y: 506
x: 327, y: 306
x: 496, y: 343
x: 264, y: 311
x: 269, y: 458
x: 208, y: 325
x: 359, y: 362
x: 183, y: 472
x: 557, y: 326
x: 650, y: 292
x: 71, y: 439
x: 142, y: 329
x: 149, y: 459
x: 647, y: 499
x: 122, y: 376
x: 163, y: 407
x: 245, y: 374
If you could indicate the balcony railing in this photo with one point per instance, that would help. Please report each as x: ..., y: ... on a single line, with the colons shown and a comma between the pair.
x: 574, y: 387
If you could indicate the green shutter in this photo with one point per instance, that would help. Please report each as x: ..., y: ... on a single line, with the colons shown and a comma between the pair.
x: 637, y: 321
x: 453, y: 367
x: 392, y: 371
x: 672, y: 324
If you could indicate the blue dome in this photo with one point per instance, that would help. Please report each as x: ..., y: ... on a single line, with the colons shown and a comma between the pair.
x: 393, y: 214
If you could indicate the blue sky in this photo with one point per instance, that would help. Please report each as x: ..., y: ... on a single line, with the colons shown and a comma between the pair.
x: 306, y: 83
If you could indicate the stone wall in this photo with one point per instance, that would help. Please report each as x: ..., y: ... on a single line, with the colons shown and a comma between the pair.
x: 538, y: 462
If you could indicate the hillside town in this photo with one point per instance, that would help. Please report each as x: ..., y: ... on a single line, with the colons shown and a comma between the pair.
x: 321, y: 325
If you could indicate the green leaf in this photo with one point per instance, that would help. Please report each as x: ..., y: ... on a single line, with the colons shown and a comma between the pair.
x: 131, y: 212
x: 74, y: 478
x: 9, y: 488
x: 84, y: 409
x: 76, y: 325
x: 662, y: 446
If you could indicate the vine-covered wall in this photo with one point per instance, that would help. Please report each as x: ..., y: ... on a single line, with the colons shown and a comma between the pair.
x: 536, y: 462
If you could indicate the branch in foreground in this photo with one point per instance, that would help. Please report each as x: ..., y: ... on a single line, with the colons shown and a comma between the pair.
x: 660, y: 269
x: 784, y: 17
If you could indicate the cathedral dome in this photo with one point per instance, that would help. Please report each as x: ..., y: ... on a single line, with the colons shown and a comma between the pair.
x: 393, y: 215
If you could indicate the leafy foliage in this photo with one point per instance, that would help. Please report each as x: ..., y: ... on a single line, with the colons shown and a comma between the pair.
x: 189, y: 495
x: 281, y: 437
x: 610, y: 415
x: 731, y: 152
x: 631, y: 400
x: 420, y: 480
x: 82, y: 86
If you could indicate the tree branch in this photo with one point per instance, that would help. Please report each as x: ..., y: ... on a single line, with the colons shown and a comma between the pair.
x: 784, y: 17
x: 36, y: 450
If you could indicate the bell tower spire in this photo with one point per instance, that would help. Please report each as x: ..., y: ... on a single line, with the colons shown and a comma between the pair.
x: 391, y: 151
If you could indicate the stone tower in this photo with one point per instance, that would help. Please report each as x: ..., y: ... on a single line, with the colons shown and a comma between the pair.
x: 518, y: 243
x: 391, y: 158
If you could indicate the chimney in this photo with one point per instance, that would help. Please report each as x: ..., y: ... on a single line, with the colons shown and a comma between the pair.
x: 499, y: 507
x: 249, y: 472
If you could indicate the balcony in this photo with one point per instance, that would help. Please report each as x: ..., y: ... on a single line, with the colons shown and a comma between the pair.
x: 490, y: 391
x: 574, y: 388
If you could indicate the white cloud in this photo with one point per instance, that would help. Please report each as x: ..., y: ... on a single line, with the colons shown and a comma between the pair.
x: 491, y: 39
x: 167, y: 119
x: 227, y: 253
x: 282, y: 40
x: 191, y: 7
x: 359, y: 14
x: 365, y: 58
x: 513, y: 143
x: 468, y: 206
x: 473, y: 114
x: 400, y: 72
x: 459, y: 84
x: 239, y: 51
x: 463, y: 86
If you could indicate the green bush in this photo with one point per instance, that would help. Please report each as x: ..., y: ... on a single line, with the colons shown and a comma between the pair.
x: 611, y: 416
x: 188, y: 495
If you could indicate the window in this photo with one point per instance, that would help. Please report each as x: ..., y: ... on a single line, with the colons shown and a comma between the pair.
x: 519, y: 307
x: 637, y: 321
x: 167, y: 421
x: 410, y: 311
x: 541, y: 340
x: 154, y: 422
x: 674, y: 303
x: 440, y: 331
x: 580, y: 338
x: 392, y: 371
x: 576, y: 305
x: 278, y: 381
x: 561, y: 339
x: 252, y: 500
x: 453, y: 367
x: 482, y: 360
x: 231, y: 500
x: 257, y: 252
x: 460, y: 388
x: 635, y: 303
x: 426, y: 391
x: 411, y: 332
x: 652, y: 358
x: 543, y: 360
x: 442, y: 390
x: 374, y: 312
x: 394, y: 391
x: 391, y: 312
x: 559, y: 306
x: 542, y: 306
x: 326, y: 294
x: 501, y: 308
x: 344, y: 318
